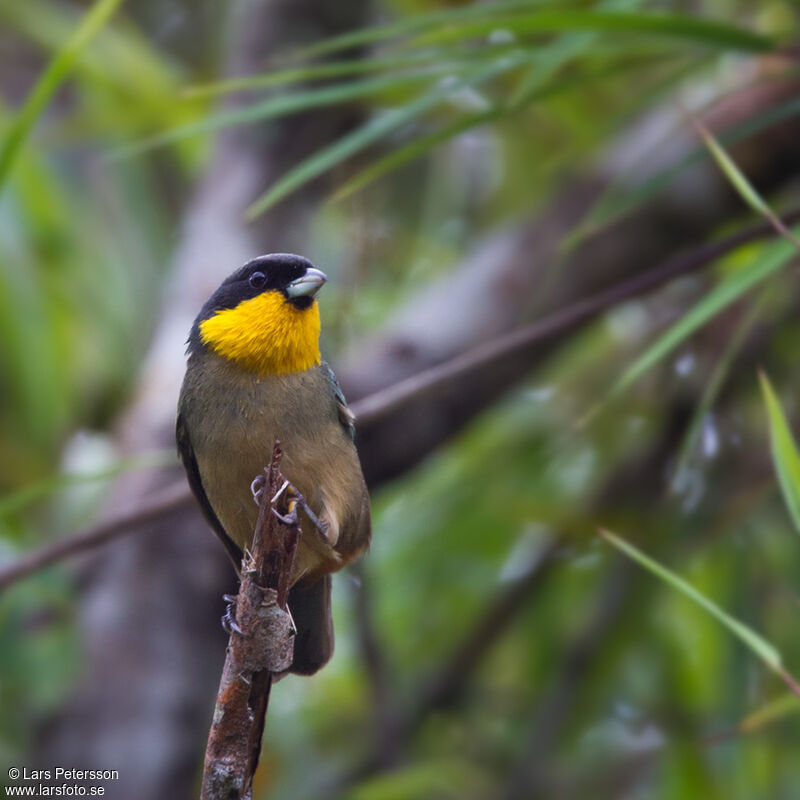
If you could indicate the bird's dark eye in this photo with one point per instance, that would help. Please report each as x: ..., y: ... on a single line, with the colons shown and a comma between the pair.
x: 256, y: 280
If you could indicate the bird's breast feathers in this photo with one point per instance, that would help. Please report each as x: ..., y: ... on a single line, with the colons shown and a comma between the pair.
x: 243, y: 415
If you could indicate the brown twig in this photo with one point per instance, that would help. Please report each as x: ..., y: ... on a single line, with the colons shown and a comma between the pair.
x: 377, y: 407
x: 261, y: 644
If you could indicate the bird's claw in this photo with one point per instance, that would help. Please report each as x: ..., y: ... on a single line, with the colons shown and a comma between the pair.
x: 257, y: 488
x: 229, y: 617
x: 295, y: 501
x: 290, y: 518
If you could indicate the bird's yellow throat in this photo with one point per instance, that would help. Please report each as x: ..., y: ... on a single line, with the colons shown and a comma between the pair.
x: 266, y: 335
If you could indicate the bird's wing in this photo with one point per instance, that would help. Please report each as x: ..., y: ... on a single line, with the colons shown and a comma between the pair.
x: 346, y: 417
x: 186, y: 452
x: 359, y: 526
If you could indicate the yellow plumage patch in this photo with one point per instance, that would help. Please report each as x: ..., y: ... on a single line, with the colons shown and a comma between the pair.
x: 266, y: 334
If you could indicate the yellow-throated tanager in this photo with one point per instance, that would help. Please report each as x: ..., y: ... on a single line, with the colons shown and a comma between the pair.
x: 254, y: 375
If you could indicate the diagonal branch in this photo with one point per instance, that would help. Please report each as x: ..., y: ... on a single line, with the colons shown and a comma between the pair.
x: 174, y: 498
x: 519, y: 344
x: 373, y: 412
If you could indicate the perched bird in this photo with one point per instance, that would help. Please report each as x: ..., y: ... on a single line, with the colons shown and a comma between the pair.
x: 254, y: 375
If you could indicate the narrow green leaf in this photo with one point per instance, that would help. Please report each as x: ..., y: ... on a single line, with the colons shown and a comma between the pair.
x: 403, y: 155
x: 735, y: 176
x: 372, y: 131
x: 739, y: 182
x: 614, y: 202
x: 781, y: 707
x: 281, y: 106
x: 447, y: 59
x: 767, y: 262
x: 551, y: 58
x: 422, y: 145
x: 53, y: 76
x: 684, y: 27
x: 414, y: 24
x: 784, y: 451
x: 330, y: 69
x: 757, y: 643
x: 715, y: 384
x: 554, y: 55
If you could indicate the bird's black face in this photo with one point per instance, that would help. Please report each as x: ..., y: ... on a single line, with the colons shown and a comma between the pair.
x: 294, y: 276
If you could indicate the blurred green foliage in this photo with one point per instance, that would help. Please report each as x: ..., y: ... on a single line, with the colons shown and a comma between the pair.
x: 88, y: 216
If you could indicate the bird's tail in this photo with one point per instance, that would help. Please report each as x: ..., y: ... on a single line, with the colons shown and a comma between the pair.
x: 310, y: 604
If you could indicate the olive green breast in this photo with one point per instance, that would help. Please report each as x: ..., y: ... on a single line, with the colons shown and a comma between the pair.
x: 233, y: 418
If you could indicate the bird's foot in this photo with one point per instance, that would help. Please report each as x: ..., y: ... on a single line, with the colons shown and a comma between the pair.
x: 258, y: 487
x: 229, y: 617
x: 293, y: 499
x: 290, y: 518
x: 295, y: 502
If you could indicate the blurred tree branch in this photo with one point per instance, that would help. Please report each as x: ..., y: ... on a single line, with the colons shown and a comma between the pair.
x: 519, y: 348
x: 377, y: 409
x: 516, y: 275
x: 172, y: 499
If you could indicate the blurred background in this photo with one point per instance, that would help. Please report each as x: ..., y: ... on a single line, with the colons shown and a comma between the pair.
x: 520, y: 185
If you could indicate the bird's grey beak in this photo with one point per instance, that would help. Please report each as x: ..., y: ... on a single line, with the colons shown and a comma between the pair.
x: 307, y: 285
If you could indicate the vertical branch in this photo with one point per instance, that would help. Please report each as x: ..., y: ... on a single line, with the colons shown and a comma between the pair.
x: 261, y: 643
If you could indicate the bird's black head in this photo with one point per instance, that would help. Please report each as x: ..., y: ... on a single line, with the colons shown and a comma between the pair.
x: 292, y: 276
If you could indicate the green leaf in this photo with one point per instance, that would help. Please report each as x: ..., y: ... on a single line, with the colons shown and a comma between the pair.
x: 768, y: 261
x: 423, y: 144
x: 715, y: 383
x: 402, y: 155
x: 781, y: 707
x: 784, y: 451
x: 735, y: 176
x: 275, y: 107
x: 614, y: 202
x: 556, y: 54
x: 53, y: 76
x: 450, y: 58
x: 687, y: 28
x: 414, y: 24
x: 743, y: 186
x: 755, y: 642
x: 371, y: 132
